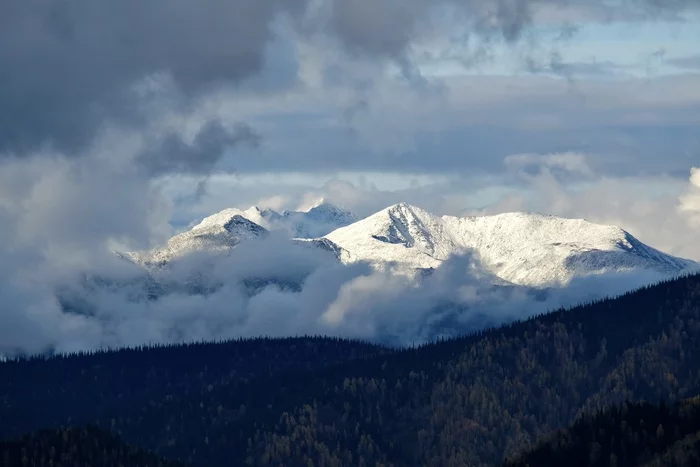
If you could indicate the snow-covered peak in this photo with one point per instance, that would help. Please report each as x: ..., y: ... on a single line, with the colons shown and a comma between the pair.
x: 320, y: 219
x: 253, y: 214
x: 226, y: 229
x: 522, y: 248
x: 327, y: 213
x: 306, y: 207
x: 217, y: 233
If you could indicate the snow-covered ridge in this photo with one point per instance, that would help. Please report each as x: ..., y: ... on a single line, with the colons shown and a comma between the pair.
x: 226, y: 229
x: 212, y: 235
x: 319, y: 220
x: 521, y: 248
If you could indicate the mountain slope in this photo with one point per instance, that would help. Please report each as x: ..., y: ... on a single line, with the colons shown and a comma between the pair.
x: 632, y: 435
x: 521, y: 248
x: 86, y: 447
x: 217, y: 233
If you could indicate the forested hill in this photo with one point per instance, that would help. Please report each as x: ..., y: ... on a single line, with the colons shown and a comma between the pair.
x: 73, y: 447
x: 77, y: 387
x: 630, y: 435
x: 300, y: 402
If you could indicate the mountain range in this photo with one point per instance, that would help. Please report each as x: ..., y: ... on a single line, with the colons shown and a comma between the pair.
x: 226, y: 229
x: 399, y: 276
x: 519, y: 248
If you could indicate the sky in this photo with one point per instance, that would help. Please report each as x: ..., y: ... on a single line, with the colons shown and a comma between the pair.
x: 121, y: 123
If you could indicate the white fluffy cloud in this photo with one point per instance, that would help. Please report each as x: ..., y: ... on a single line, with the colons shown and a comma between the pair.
x: 690, y: 202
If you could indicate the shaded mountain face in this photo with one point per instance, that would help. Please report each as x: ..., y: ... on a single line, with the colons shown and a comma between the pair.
x: 519, y: 248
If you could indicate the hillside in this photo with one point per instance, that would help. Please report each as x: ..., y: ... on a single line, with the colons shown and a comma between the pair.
x: 470, y: 401
x: 71, y: 447
x: 631, y: 435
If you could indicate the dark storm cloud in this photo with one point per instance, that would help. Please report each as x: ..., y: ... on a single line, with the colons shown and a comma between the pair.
x: 68, y: 66
x: 388, y: 27
x: 175, y: 155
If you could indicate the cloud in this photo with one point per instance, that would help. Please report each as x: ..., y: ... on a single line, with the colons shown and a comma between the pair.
x: 689, y: 203
x: 305, y: 292
x: 458, y: 297
x: 198, y: 157
x: 69, y: 67
x: 690, y: 62
x: 573, y: 163
x: 555, y: 64
x: 477, y: 121
x: 388, y: 28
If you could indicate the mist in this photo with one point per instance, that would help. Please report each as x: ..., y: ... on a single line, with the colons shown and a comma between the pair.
x: 276, y: 287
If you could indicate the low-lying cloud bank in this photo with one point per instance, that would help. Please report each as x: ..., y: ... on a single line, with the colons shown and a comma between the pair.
x: 272, y: 287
